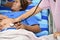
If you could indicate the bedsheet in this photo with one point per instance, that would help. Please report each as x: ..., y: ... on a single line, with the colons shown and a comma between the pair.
x: 22, y: 34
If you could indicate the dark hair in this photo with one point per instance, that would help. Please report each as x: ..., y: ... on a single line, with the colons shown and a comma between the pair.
x: 54, y: 0
x: 24, y: 4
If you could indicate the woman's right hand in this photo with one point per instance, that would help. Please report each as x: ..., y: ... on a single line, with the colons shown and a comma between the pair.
x: 19, y: 26
x: 56, y: 34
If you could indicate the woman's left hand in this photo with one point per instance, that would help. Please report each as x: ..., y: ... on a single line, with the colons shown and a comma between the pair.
x: 19, y: 26
x: 6, y: 22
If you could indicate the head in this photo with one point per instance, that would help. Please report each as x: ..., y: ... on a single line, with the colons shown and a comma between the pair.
x: 19, y: 5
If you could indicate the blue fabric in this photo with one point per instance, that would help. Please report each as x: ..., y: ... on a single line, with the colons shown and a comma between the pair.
x: 4, y: 8
x: 41, y: 18
x: 12, y: 14
x: 7, y: 29
x: 43, y: 23
x: 42, y: 33
x: 29, y: 21
x: 1, y: 11
x: 35, y: 2
x: 32, y: 20
x: 45, y: 12
x: 10, y: 0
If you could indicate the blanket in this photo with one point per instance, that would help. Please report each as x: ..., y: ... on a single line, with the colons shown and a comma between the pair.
x: 22, y: 34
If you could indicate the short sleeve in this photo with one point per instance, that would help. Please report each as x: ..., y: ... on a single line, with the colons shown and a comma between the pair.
x: 44, y: 4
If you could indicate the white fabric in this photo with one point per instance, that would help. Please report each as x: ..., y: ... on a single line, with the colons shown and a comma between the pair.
x: 17, y: 35
x: 22, y: 34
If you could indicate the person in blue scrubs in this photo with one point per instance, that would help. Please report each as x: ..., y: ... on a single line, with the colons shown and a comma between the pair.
x: 30, y: 23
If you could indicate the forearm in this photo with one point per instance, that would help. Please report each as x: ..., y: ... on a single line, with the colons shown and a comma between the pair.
x: 34, y: 28
x: 3, y: 17
x: 29, y: 13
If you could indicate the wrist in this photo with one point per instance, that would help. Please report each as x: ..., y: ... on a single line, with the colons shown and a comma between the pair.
x: 26, y: 27
x: 17, y: 19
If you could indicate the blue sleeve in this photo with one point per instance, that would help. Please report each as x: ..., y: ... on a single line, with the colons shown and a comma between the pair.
x: 24, y: 22
x: 32, y: 20
x: 13, y: 14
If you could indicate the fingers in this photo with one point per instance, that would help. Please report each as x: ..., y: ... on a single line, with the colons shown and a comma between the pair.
x: 56, y: 34
x: 1, y: 27
x: 19, y: 26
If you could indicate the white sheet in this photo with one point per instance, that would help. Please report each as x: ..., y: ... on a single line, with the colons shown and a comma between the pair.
x: 22, y: 34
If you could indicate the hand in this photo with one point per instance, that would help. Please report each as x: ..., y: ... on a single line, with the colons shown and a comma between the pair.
x: 1, y: 27
x: 3, y: 17
x: 17, y: 20
x: 20, y: 26
x: 56, y: 34
x: 6, y: 22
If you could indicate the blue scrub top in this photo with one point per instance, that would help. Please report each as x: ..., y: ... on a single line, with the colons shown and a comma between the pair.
x: 29, y: 21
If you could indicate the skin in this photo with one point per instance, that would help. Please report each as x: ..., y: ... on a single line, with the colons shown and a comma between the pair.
x: 56, y: 34
x: 30, y: 13
x: 3, y: 17
x: 13, y: 5
x: 5, y: 24
x: 16, y: 7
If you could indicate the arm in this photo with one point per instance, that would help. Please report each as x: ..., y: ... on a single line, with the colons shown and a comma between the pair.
x: 6, y: 22
x: 3, y: 17
x: 34, y: 28
x: 45, y: 4
x: 27, y: 14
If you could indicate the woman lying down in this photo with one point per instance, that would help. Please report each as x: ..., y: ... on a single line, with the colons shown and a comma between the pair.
x: 19, y: 33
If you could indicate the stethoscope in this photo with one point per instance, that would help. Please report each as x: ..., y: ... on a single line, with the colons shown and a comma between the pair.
x: 29, y: 16
x: 12, y: 24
